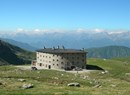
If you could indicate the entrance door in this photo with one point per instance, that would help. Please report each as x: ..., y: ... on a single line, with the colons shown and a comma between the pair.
x: 49, y: 67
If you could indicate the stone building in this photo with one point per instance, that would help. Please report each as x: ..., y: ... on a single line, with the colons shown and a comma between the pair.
x: 60, y: 58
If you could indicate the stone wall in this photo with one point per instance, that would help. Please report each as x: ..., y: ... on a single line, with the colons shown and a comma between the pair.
x: 61, y: 60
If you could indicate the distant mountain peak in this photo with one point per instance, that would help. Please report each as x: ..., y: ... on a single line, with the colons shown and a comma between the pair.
x: 77, y: 38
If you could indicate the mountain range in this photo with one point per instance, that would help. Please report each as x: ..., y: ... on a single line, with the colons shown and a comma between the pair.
x: 80, y: 38
x: 20, y: 44
x: 10, y: 54
x: 108, y: 52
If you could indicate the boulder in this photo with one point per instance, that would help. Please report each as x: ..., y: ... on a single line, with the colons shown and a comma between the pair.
x: 21, y: 80
x: 75, y: 84
x: 97, y: 86
x: 26, y: 86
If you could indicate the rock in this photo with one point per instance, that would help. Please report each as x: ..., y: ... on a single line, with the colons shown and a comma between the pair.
x: 113, y: 85
x: 21, y: 80
x: 74, y: 84
x: 104, y: 72
x: 97, y: 86
x: 26, y: 86
x: 56, y: 78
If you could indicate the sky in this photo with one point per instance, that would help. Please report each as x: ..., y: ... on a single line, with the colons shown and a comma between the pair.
x: 64, y: 14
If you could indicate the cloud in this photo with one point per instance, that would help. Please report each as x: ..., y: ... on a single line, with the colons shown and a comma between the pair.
x: 61, y: 31
x: 20, y: 30
x: 99, y: 30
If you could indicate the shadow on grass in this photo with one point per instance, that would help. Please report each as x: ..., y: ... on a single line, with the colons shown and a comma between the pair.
x: 93, y: 67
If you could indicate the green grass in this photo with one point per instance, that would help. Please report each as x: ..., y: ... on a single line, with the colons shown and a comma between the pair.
x: 52, y: 82
x: 125, y: 60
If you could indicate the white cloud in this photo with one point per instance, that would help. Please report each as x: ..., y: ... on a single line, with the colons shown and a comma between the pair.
x: 98, y: 30
x: 20, y: 30
x: 50, y: 31
x: 90, y: 31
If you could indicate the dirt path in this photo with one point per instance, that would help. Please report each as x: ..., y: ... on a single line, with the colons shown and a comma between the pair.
x: 29, y: 68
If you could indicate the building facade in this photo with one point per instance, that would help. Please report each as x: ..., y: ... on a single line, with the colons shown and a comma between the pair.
x: 57, y: 58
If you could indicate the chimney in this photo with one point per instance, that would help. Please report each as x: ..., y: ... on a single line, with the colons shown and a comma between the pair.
x: 58, y: 47
x: 63, y: 47
x: 53, y: 48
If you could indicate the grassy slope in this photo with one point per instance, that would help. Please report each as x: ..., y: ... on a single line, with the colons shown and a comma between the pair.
x: 108, y: 52
x: 10, y: 54
x: 125, y: 60
x: 50, y: 82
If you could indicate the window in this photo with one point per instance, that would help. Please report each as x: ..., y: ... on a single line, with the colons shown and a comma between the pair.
x: 53, y: 64
x: 68, y: 63
x: 57, y: 60
x: 40, y: 64
x: 57, y: 64
x: 62, y: 63
x: 43, y: 56
x: 53, y: 59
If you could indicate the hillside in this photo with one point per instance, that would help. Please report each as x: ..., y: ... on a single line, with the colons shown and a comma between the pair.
x: 20, y: 44
x: 108, y: 52
x: 10, y: 54
x: 114, y: 80
x: 125, y: 60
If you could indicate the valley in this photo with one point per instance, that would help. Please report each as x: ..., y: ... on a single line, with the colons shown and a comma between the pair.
x: 104, y: 75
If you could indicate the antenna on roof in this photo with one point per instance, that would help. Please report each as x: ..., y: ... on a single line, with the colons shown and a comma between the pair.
x: 58, y: 47
x: 63, y: 47
x: 53, y: 48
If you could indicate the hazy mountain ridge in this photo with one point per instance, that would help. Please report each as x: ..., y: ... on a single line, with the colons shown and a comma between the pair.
x: 108, y: 52
x: 72, y: 39
x: 10, y: 54
x: 20, y: 44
